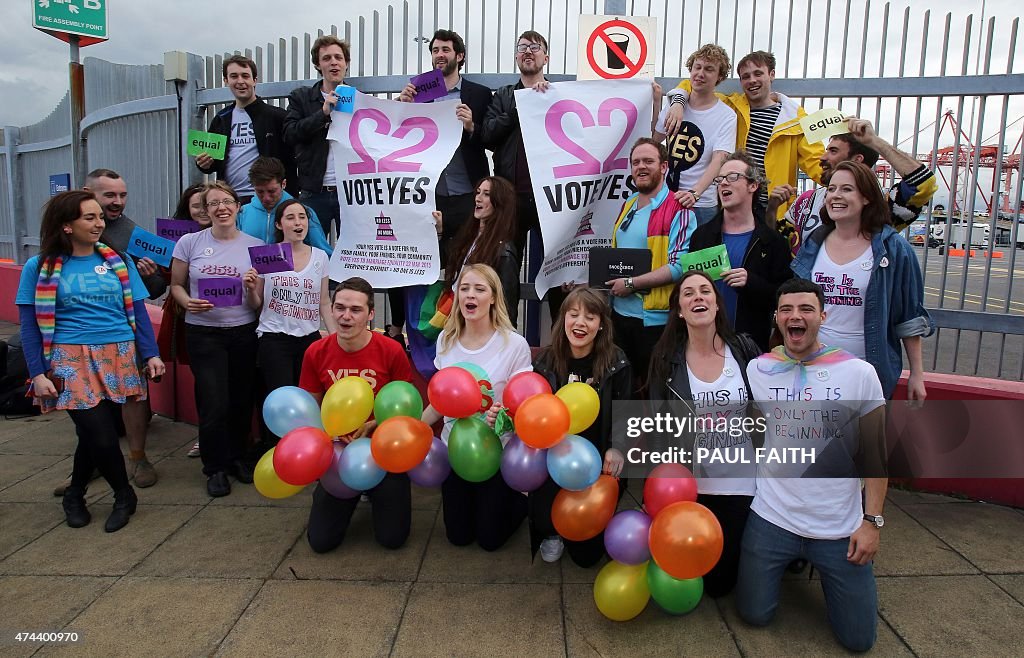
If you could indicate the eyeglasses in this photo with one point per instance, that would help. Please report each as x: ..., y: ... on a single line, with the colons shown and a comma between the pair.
x: 732, y: 178
x: 227, y: 203
x: 532, y: 47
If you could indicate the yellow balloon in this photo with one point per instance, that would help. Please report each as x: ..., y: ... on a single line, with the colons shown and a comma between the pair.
x: 583, y: 403
x: 347, y: 404
x: 268, y: 483
x: 621, y: 591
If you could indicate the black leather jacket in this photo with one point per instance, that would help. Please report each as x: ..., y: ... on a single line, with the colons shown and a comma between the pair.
x: 305, y: 131
x: 501, y: 131
x: 268, y: 124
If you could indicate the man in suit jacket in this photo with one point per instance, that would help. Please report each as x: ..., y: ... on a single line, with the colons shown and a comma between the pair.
x: 455, y: 189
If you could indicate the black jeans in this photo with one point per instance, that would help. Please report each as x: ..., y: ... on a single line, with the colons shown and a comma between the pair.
x: 488, y: 512
x: 224, y: 366
x: 585, y: 553
x: 97, y: 445
x: 280, y: 358
x: 731, y: 512
x: 391, y: 502
x: 637, y: 341
x: 326, y: 207
x: 455, y: 210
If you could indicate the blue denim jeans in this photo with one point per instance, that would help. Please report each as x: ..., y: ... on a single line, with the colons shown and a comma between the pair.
x: 851, y: 599
x: 326, y: 207
x: 705, y: 214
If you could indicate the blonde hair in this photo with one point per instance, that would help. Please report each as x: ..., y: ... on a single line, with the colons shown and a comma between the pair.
x: 455, y: 325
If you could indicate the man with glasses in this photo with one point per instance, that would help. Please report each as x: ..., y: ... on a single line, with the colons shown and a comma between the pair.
x: 758, y: 255
x: 650, y: 219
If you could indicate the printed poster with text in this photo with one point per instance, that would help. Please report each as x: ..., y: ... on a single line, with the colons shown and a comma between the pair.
x: 577, y: 137
x: 388, y: 156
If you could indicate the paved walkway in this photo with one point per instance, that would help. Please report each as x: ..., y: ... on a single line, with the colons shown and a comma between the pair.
x: 234, y: 576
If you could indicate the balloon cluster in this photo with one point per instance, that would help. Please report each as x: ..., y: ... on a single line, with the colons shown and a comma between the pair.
x: 661, y: 554
x: 401, y: 443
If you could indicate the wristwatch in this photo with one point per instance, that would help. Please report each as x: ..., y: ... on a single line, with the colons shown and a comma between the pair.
x: 877, y: 520
x: 696, y: 197
x: 629, y: 283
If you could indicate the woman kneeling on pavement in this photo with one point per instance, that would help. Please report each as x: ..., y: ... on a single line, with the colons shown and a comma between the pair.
x: 83, y: 321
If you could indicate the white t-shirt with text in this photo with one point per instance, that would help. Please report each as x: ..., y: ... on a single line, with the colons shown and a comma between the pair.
x: 242, y: 151
x: 690, y: 151
x: 291, y: 300
x: 845, y: 287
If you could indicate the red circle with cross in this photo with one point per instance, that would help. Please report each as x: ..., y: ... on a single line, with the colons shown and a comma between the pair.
x: 632, y: 68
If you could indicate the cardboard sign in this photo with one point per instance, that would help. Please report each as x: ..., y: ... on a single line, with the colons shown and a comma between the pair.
x: 143, y: 244
x: 211, y: 144
x: 346, y: 99
x: 429, y: 86
x: 270, y: 258
x: 173, y: 229
x: 823, y: 125
x: 221, y: 291
x: 713, y: 261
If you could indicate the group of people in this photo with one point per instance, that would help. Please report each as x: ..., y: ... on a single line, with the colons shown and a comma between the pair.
x: 827, y: 281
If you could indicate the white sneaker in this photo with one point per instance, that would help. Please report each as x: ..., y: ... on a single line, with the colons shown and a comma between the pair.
x: 551, y: 549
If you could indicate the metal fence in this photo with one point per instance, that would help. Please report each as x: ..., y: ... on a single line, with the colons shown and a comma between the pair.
x: 908, y: 71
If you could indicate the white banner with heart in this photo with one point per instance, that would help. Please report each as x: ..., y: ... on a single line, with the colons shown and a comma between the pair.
x: 388, y: 156
x: 577, y: 137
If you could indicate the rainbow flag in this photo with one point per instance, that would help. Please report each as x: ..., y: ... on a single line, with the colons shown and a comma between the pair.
x: 426, y: 310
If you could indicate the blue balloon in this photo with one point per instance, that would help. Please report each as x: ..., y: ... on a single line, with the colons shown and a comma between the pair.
x: 356, y: 466
x: 523, y: 468
x: 290, y: 407
x: 574, y: 463
x: 331, y: 480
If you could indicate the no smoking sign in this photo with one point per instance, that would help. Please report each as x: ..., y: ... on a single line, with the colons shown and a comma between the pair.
x: 616, y: 47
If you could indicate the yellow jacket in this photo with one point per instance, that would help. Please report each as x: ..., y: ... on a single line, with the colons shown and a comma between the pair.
x: 788, y: 149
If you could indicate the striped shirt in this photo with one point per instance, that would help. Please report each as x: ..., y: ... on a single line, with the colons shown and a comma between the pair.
x: 762, y: 123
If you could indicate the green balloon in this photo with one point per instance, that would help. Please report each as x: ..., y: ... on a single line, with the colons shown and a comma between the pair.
x: 474, y: 450
x: 675, y: 596
x: 397, y: 399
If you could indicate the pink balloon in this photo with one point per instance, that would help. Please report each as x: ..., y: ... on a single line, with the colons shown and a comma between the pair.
x: 454, y: 392
x: 522, y: 386
x: 303, y: 455
x: 667, y: 484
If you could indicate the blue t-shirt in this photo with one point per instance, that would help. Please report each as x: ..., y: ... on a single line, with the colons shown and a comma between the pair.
x: 90, y: 303
x: 736, y: 244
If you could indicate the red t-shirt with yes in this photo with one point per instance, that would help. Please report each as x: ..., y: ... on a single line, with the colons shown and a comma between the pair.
x: 380, y: 362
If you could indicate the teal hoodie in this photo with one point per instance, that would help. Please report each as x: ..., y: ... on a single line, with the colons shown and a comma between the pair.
x: 258, y: 222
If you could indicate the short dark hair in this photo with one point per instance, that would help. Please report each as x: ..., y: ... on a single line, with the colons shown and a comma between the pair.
x: 662, y: 151
x: 796, y: 285
x: 101, y: 173
x: 534, y: 37
x: 323, y: 42
x: 757, y: 58
x: 868, y: 154
x: 358, y: 284
x: 265, y: 169
x: 241, y: 60
x: 458, y: 45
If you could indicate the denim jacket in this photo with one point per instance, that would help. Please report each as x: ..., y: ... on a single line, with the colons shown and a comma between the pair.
x: 893, y: 303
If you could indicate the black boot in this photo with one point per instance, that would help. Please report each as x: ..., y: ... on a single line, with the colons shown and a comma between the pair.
x: 125, y: 502
x: 75, y: 512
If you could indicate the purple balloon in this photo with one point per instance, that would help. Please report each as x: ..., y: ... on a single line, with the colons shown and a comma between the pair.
x: 331, y: 480
x: 523, y: 468
x: 625, y: 538
x: 434, y: 468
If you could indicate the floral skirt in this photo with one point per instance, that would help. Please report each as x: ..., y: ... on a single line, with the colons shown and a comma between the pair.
x: 92, y: 373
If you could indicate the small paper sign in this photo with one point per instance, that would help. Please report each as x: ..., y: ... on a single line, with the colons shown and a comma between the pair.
x: 211, y: 144
x: 429, y: 86
x: 823, y: 124
x: 270, y: 258
x: 713, y: 261
x: 346, y: 99
x: 143, y: 244
x: 173, y: 229
x: 221, y: 291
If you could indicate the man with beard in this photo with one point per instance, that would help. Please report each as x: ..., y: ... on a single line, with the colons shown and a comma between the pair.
x: 861, y: 144
x: 253, y: 129
x: 305, y: 130
x: 650, y: 219
x: 454, y: 191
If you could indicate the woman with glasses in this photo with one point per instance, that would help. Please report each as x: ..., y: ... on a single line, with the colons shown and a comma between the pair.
x: 221, y: 336
x: 758, y: 255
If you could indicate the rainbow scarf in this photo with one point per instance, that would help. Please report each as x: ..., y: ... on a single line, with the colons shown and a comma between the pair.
x: 426, y: 310
x: 46, y: 293
x: 777, y: 362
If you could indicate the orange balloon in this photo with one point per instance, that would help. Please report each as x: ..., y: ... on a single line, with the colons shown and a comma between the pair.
x: 400, y: 443
x: 686, y: 540
x: 582, y: 515
x: 542, y: 421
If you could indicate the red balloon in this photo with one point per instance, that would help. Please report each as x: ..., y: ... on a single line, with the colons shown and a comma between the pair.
x: 522, y: 386
x: 400, y: 443
x: 303, y: 455
x: 667, y: 484
x: 582, y: 515
x: 543, y: 421
x: 454, y: 392
x: 686, y: 540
